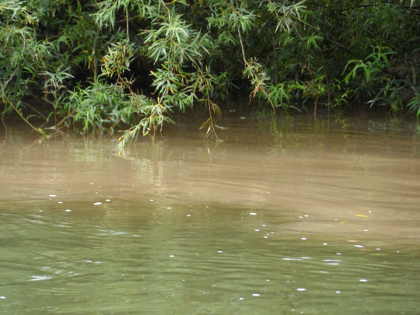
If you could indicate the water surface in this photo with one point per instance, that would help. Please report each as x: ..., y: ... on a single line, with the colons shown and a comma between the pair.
x: 286, y: 216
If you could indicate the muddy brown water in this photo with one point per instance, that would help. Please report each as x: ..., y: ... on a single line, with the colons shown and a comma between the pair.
x: 285, y: 216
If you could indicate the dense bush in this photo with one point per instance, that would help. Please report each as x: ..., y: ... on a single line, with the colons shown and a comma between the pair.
x: 131, y: 64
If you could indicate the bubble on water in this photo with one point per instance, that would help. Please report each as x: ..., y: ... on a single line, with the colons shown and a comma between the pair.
x: 365, y: 230
x: 257, y: 230
x: 171, y: 256
x: 256, y: 294
x: 169, y: 208
x: 241, y: 298
x: 267, y: 280
x: 151, y: 200
x: 60, y: 202
x: 264, y: 225
x: 338, y: 254
x: 363, y: 280
x: 107, y: 200
x: 188, y: 215
x: 303, y: 238
x: 91, y: 183
x: 306, y: 215
x: 265, y: 236
x: 68, y: 210
x: 337, y: 292
x: 300, y: 217
x: 325, y: 243
x: 252, y: 213
x: 301, y: 289
x: 220, y: 251
x: 52, y: 196
x: 98, y: 203
x: 2, y: 297
x: 378, y: 248
x: 397, y: 251
x: 358, y: 246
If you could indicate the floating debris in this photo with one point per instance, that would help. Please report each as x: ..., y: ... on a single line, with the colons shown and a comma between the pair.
x: 171, y: 256
x: 107, y: 200
x: 303, y: 238
x: 220, y: 251
x: 301, y: 289
x: 256, y: 294
x: 52, y: 196
x: 252, y: 213
x: 2, y: 297
x: 363, y: 280
x: 337, y: 292
x: 60, y: 202
x: 358, y: 246
x: 98, y: 203
x: 68, y: 210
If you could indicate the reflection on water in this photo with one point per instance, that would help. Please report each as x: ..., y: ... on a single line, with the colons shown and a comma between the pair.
x: 284, y: 217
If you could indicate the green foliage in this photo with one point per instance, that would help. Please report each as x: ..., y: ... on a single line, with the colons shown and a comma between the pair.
x: 99, y: 66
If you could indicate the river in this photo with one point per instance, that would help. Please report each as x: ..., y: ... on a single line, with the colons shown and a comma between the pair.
x: 284, y: 216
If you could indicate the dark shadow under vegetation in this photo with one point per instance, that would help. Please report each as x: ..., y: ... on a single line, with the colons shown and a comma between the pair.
x: 132, y: 66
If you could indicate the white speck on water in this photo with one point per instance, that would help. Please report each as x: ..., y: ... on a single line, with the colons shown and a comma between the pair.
x: 265, y: 236
x: 300, y: 217
x: 363, y: 280
x: 365, y: 230
x: 171, y: 256
x: 301, y: 289
x: 41, y: 278
x: 220, y: 251
x: 303, y: 238
x: 151, y: 200
x: 2, y: 297
x: 169, y: 208
x: 98, y: 203
x: 397, y: 251
x: 325, y: 244
x: 242, y: 117
x: 306, y: 215
x: 91, y: 183
x: 107, y: 200
x: 264, y: 225
x: 378, y: 248
x: 332, y: 262
x: 267, y: 280
x: 370, y: 211
x: 338, y: 292
x: 252, y: 213
x: 188, y: 215
x: 358, y: 246
x: 257, y: 230
x: 338, y: 254
x: 241, y: 298
x: 256, y: 294
x: 68, y: 210
x: 52, y: 196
